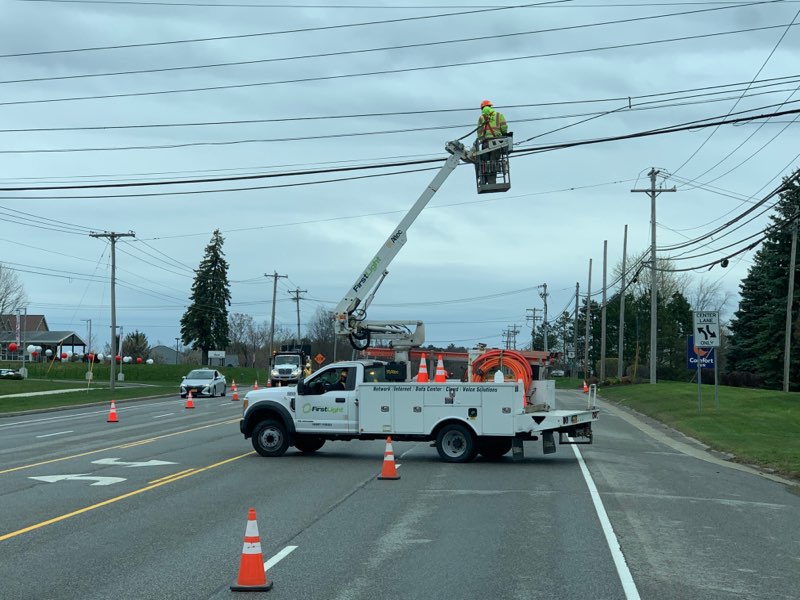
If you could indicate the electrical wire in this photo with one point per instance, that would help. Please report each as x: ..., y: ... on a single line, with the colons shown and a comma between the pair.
x: 383, y: 48
x: 342, y: 76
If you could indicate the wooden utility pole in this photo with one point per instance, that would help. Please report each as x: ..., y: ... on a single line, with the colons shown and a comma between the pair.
x: 575, y: 328
x: 275, y: 278
x: 653, y: 192
x: 588, y: 320
x: 113, y: 237
x: 622, y: 291
x: 297, y: 299
x: 787, y: 344
x: 603, y: 315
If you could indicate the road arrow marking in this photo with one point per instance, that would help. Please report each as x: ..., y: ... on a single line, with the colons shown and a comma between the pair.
x: 118, y: 462
x: 79, y: 477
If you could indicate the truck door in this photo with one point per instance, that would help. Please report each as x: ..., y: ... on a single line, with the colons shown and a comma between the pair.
x: 327, y: 404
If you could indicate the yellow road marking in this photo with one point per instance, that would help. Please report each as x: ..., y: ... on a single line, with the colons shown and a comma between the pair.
x: 117, y: 498
x: 139, y: 443
x: 170, y: 476
x: 160, y: 437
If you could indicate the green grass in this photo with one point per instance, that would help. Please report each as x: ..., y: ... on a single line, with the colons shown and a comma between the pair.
x: 757, y: 426
x: 93, y: 395
x: 23, y: 386
x: 568, y: 383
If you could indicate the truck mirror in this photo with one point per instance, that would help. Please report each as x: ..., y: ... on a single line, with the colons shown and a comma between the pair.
x: 301, y: 387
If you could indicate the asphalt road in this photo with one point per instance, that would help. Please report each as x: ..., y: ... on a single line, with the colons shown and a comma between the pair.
x: 687, y: 524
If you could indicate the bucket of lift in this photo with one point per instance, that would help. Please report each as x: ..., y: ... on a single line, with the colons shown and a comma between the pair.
x: 492, y: 165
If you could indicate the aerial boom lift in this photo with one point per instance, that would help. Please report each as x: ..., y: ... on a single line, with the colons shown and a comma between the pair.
x: 350, y: 314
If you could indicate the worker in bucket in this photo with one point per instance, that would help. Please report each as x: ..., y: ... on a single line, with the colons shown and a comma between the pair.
x: 491, y: 124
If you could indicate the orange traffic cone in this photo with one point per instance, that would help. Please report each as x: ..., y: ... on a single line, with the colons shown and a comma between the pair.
x: 389, y: 470
x: 233, y: 386
x: 585, y: 387
x: 255, y: 385
x: 235, y: 396
x: 441, y: 374
x: 112, y: 414
x: 422, y: 377
x: 269, y: 382
x: 189, y: 401
x: 252, y: 574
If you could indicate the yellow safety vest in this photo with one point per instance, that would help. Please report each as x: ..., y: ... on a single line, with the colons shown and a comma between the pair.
x: 492, y: 125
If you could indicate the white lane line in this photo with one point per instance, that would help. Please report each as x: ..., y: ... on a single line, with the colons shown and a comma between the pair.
x: 409, y: 451
x: 279, y: 557
x: 625, y: 577
x: 52, y: 434
x: 164, y: 415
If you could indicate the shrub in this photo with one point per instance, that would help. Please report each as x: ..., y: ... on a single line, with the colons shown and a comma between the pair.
x: 741, y: 379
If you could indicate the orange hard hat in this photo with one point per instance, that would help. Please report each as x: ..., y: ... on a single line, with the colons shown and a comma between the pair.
x: 486, y: 103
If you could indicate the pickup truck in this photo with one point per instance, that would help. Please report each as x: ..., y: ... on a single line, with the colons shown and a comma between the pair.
x: 353, y: 400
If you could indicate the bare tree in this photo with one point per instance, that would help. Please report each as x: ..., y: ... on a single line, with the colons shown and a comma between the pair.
x: 256, y: 337
x: 239, y: 325
x: 709, y: 295
x: 12, y: 291
x: 638, y: 277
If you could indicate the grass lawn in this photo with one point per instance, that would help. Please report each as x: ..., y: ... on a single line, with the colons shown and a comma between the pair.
x: 568, y: 383
x: 757, y: 426
x: 95, y: 394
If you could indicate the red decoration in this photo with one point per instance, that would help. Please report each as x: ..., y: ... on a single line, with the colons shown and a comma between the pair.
x: 90, y: 357
x: 34, y: 354
x: 64, y: 355
x: 12, y: 347
x: 118, y: 358
x: 138, y: 360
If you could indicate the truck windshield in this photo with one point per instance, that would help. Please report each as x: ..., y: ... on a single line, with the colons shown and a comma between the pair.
x: 287, y: 360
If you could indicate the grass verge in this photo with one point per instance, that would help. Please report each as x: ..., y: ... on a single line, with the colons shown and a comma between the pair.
x: 756, y: 426
x: 95, y: 394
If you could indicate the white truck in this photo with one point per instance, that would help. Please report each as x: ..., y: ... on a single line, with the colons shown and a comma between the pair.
x: 462, y: 419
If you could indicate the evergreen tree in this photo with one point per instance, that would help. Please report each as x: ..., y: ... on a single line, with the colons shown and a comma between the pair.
x: 136, y: 345
x: 204, y: 325
x: 757, y: 341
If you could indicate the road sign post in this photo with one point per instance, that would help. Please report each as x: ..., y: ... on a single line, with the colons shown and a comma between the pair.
x: 705, y: 328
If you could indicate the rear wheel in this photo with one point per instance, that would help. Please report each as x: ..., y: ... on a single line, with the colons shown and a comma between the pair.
x: 494, y: 447
x: 456, y: 443
x: 270, y: 438
x: 308, y: 444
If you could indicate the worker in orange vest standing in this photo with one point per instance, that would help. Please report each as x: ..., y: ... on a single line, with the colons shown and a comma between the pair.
x: 491, y: 124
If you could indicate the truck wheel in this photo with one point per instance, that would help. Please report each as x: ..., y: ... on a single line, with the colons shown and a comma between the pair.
x: 270, y: 438
x: 494, y: 447
x: 456, y: 443
x: 308, y: 444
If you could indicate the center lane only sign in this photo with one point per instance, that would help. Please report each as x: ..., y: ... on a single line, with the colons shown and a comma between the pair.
x: 706, y: 329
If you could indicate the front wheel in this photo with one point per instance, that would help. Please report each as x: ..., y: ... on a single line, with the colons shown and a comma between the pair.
x: 308, y: 444
x: 456, y: 443
x: 270, y: 438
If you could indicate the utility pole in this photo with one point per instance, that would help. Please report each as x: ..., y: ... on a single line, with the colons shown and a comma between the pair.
x: 588, y: 320
x: 575, y: 328
x: 787, y: 345
x: 653, y: 281
x: 90, y: 335
x: 514, y: 331
x: 297, y: 299
x: 275, y: 278
x: 177, y: 352
x: 113, y: 237
x: 532, y: 318
x: 622, y: 291
x: 544, y: 318
x: 603, y: 315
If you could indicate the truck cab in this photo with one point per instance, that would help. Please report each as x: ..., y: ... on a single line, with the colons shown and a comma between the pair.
x: 287, y: 368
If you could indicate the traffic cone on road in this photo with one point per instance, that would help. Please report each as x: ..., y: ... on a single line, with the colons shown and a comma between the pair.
x: 441, y: 374
x: 189, y: 401
x: 585, y: 387
x: 255, y: 385
x: 235, y: 396
x: 269, y: 382
x: 252, y: 573
x: 112, y: 414
x: 422, y: 377
x: 389, y: 470
x: 233, y: 386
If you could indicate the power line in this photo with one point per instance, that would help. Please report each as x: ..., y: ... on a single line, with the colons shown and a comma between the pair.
x: 392, y: 71
x: 384, y: 48
x: 281, y: 32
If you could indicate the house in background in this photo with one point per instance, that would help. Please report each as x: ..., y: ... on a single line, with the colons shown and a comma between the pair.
x: 33, y: 330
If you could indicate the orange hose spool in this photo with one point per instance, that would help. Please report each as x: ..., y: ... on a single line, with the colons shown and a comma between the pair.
x: 492, y: 360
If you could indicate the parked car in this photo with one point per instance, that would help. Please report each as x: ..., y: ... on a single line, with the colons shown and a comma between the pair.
x: 10, y: 374
x: 556, y: 373
x: 204, y: 382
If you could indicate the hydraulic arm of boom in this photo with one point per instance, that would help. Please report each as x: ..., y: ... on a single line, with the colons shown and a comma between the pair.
x: 351, y: 312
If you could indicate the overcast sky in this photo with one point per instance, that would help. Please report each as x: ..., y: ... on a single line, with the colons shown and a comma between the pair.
x: 561, y: 207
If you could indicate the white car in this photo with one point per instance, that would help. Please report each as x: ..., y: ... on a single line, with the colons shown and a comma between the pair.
x: 204, y: 382
x: 556, y: 373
